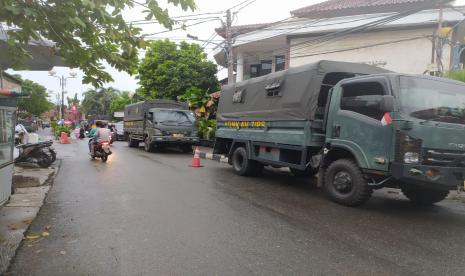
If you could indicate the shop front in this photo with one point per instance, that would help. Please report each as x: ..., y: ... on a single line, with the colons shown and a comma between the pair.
x: 7, y: 124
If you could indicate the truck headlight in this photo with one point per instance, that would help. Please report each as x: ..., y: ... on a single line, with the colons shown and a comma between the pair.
x: 411, y: 158
x: 408, y: 149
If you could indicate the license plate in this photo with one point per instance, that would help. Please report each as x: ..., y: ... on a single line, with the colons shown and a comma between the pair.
x: 178, y: 135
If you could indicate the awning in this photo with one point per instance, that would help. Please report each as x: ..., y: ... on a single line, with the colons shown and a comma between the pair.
x: 43, y: 53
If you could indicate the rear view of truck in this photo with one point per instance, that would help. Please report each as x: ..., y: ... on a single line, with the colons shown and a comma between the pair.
x: 160, y: 123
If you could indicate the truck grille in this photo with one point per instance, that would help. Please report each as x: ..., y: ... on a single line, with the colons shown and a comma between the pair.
x: 444, y: 158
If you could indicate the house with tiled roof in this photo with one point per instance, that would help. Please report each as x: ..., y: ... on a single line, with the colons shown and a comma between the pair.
x: 399, y: 35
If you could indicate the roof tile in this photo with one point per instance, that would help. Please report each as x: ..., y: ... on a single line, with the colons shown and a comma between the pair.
x: 341, y: 5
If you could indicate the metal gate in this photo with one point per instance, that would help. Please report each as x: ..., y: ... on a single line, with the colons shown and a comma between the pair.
x: 7, y: 118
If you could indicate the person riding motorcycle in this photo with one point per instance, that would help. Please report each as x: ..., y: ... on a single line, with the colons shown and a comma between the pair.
x: 100, y: 134
x: 92, y: 133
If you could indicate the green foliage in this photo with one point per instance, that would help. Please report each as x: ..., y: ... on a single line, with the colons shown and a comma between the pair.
x: 53, y: 125
x: 59, y: 129
x: 73, y: 101
x: 120, y: 102
x: 98, y: 101
x: 456, y: 75
x: 200, y: 102
x: 35, y: 98
x: 86, y: 32
x: 206, y: 128
x: 169, y: 70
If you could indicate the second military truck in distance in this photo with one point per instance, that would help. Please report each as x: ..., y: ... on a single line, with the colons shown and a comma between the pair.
x: 160, y: 123
x: 359, y: 127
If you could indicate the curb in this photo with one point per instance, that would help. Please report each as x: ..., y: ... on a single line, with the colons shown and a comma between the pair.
x: 18, y: 214
x: 215, y: 157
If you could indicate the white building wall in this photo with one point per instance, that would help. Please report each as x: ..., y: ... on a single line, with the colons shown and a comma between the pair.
x: 411, y: 57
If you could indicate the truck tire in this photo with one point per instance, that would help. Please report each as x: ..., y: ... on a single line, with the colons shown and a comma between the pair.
x: 148, y: 147
x: 307, y: 173
x: 242, y: 165
x: 132, y: 143
x: 423, y: 196
x: 344, y: 183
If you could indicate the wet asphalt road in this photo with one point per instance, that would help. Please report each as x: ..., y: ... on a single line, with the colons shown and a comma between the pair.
x: 151, y: 214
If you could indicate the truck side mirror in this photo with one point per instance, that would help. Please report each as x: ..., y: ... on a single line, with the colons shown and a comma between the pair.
x: 387, y: 103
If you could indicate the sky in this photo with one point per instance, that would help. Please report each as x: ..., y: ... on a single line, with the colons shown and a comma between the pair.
x: 260, y: 11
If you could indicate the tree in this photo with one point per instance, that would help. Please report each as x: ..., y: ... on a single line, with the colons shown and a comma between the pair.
x: 97, y: 101
x: 34, y: 100
x: 120, y: 102
x: 169, y: 70
x: 73, y: 101
x: 86, y: 32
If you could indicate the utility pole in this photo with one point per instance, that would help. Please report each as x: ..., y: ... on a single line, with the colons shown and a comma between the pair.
x: 439, y: 40
x: 63, y: 85
x: 229, y: 47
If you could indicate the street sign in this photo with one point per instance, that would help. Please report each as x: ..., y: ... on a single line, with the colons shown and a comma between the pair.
x: 118, y: 114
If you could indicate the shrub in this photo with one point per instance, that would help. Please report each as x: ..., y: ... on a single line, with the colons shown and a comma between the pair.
x: 59, y: 129
x: 456, y: 75
x: 206, y: 128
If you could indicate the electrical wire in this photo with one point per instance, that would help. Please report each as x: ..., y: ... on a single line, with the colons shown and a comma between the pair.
x: 240, y: 4
x: 182, y: 27
x: 245, y: 6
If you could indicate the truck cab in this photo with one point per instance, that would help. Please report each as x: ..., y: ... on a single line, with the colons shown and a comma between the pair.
x: 400, y: 131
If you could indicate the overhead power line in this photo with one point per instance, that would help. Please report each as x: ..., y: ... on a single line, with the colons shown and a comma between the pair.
x: 180, y: 28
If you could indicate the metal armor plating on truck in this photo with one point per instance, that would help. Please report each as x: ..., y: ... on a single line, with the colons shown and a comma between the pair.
x: 160, y: 123
x: 359, y: 127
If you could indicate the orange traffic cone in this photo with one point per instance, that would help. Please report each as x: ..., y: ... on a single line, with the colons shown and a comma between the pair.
x: 64, y: 138
x: 196, y: 159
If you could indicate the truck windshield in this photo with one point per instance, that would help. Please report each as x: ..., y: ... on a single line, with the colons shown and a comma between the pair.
x: 174, y: 117
x: 433, y: 100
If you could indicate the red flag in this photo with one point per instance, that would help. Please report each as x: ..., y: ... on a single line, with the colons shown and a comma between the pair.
x: 387, y: 120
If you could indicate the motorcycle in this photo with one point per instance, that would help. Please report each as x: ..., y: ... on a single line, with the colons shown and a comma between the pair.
x: 102, y: 150
x: 40, y: 153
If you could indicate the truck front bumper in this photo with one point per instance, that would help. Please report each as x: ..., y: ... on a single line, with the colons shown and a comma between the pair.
x: 442, y: 178
x: 175, y: 140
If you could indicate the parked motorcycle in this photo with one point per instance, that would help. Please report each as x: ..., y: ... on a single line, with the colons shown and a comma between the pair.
x: 40, y: 153
x: 102, y: 150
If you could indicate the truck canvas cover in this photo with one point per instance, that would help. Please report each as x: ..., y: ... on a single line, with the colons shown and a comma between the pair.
x: 135, y: 112
x: 291, y: 94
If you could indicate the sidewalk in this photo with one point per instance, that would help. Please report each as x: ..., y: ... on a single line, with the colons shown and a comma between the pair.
x: 31, y: 186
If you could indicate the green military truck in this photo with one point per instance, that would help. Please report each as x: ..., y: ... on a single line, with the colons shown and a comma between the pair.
x: 160, y: 123
x: 359, y: 127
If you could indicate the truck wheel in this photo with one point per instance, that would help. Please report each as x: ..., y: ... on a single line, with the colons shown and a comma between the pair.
x: 344, y: 183
x: 423, y: 196
x: 132, y: 143
x: 148, y: 147
x: 243, y: 165
x: 307, y: 173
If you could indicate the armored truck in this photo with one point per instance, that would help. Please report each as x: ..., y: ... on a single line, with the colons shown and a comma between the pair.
x: 358, y: 127
x: 160, y: 123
